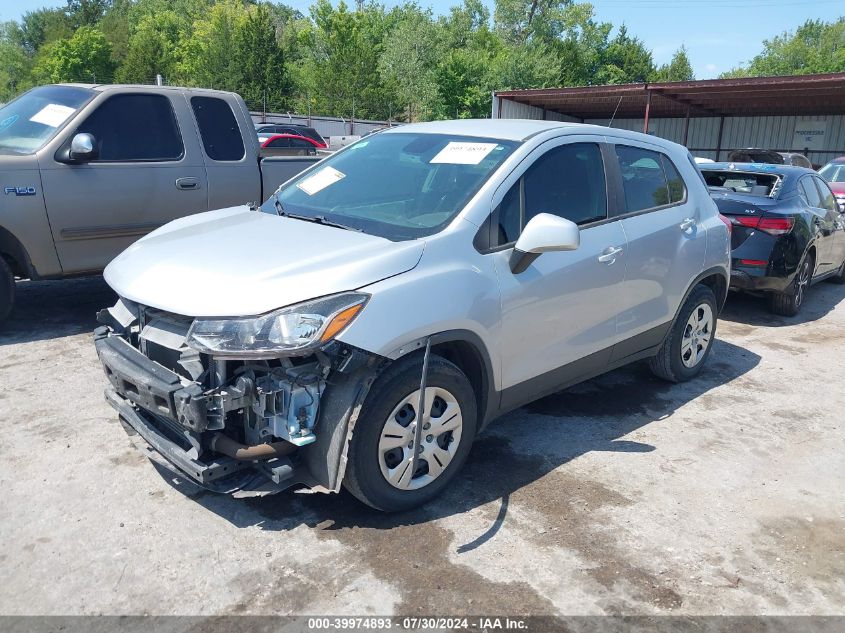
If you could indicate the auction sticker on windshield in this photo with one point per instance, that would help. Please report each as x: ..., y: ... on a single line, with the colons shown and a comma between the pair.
x: 53, y: 115
x: 319, y: 181
x: 460, y: 153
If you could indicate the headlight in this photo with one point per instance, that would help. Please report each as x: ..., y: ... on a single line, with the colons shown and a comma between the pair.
x: 297, y: 328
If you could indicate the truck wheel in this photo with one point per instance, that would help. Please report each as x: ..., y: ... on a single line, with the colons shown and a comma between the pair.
x: 7, y: 289
x: 690, y: 340
x: 789, y: 303
x: 381, y: 452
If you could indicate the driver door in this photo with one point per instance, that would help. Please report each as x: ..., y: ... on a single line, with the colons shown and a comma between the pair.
x: 144, y: 175
x: 559, y: 315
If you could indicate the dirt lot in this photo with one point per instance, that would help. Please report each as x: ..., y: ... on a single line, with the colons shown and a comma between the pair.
x: 622, y: 495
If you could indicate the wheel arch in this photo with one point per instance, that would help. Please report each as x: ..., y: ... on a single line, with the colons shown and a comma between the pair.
x: 717, y: 279
x: 15, y: 254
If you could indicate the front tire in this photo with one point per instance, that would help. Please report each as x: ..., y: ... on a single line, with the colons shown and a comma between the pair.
x: 7, y: 289
x: 789, y: 303
x: 690, y: 340
x: 381, y: 452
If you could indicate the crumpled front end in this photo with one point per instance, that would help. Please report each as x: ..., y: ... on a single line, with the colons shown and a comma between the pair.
x: 244, y: 427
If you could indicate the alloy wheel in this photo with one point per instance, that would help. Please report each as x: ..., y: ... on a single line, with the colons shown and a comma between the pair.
x: 801, y: 283
x: 440, y: 437
x: 697, y: 335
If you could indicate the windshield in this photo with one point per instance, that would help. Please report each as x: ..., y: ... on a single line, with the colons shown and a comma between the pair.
x: 29, y: 121
x: 399, y: 186
x: 833, y: 172
x: 742, y: 182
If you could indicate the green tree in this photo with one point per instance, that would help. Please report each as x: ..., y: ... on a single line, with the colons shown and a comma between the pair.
x: 815, y: 47
x: 152, y: 49
x: 17, y: 63
x: 40, y: 27
x: 85, y: 56
x: 86, y: 12
x: 261, y: 61
x: 117, y: 28
x: 678, y: 69
x: 625, y: 60
x: 206, y: 56
x: 409, y: 63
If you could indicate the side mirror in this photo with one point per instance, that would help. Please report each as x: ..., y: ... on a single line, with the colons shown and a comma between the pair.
x: 83, y: 147
x: 544, y: 233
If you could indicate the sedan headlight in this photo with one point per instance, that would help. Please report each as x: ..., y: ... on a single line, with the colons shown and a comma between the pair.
x: 297, y: 328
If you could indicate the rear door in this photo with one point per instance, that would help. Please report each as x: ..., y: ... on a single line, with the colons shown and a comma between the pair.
x: 559, y: 315
x: 149, y: 171
x: 822, y: 223
x: 666, y: 244
x: 231, y: 163
x: 837, y: 224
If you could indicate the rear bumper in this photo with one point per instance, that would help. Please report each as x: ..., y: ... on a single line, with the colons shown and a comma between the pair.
x: 755, y: 279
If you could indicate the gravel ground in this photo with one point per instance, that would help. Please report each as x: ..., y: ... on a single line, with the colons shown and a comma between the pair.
x: 624, y: 495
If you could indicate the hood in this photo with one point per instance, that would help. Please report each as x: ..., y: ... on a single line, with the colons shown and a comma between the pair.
x: 238, y: 262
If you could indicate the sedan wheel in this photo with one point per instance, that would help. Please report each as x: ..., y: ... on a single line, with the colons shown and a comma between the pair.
x: 440, y: 437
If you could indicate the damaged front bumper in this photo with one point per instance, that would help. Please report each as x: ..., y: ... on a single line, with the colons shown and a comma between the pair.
x: 232, y: 427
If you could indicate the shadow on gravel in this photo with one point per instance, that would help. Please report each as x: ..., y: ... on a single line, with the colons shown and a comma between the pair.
x: 53, y: 309
x: 821, y: 299
x: 513, y: 457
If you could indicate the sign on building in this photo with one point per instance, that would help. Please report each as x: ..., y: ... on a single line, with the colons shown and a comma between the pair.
x: 809, y: 135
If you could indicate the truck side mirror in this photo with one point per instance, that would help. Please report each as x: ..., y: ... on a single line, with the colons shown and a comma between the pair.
x: 83, y: 147
x: 544, y: 233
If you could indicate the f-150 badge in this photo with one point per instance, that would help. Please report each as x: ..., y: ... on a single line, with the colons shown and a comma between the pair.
x: 20, y: 191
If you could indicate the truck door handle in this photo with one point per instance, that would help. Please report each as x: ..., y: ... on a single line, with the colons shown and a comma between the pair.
x: 187, y: 183
x: 609, y: 254
x: 686, y: 224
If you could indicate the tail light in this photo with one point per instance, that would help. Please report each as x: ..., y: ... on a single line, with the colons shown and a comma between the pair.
x: 770, y: 225
x: 727, y: 223
x: 775, y: 226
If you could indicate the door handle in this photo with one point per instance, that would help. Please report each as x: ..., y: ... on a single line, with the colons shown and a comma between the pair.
x: 187, y: 183
x: 609, y: 254
x: 686, y: 224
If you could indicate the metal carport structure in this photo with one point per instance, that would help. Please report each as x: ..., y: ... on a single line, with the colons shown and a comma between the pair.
x: 761, y: 111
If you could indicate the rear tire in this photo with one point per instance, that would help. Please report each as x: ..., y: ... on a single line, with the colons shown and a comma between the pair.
x: 690, y: 340
x: 7, y: 289
x: 377, y: 470
x: 789, y: 303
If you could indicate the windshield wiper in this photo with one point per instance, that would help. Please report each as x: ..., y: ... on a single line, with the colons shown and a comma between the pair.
x: 318, y: 219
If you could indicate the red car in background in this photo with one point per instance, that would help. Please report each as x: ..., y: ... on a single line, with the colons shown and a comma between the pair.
x: 834, y: 173
x: 289, y: 145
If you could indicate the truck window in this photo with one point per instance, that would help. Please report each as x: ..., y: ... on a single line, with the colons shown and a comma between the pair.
x: 135, y: 127
x: 221, y: 137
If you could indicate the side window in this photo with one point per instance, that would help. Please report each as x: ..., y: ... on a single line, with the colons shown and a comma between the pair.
x: 677, y: 187
x: 810, y: 193
x: 509, y: 215
x: 120, y: 137
x: 279, y: 142
x: 643, y: 180
x: 221, y: 137
x: 300, y: 143
x: 567, y: 181
x: 827, y: 199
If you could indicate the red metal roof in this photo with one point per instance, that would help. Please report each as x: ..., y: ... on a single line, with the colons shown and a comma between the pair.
x: 754, y: 96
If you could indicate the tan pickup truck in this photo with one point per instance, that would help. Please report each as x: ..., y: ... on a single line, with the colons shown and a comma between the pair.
x: 85, y: 170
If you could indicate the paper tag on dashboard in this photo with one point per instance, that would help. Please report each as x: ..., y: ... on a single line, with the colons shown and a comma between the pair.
x: 53, y: 115
x: 319, y: 181
x: 460, y: 153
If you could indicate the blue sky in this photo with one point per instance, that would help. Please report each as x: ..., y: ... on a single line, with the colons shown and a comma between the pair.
x: 718, y: 34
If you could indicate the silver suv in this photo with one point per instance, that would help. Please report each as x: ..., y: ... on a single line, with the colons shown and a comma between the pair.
x: 364, y: 324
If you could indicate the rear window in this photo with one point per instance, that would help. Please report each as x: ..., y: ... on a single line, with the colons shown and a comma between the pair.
x: 221, y: 137
x: 763, y: 185
x: 833, y: 172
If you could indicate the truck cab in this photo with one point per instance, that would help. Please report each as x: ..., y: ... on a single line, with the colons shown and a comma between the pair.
x: 88, y: 169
